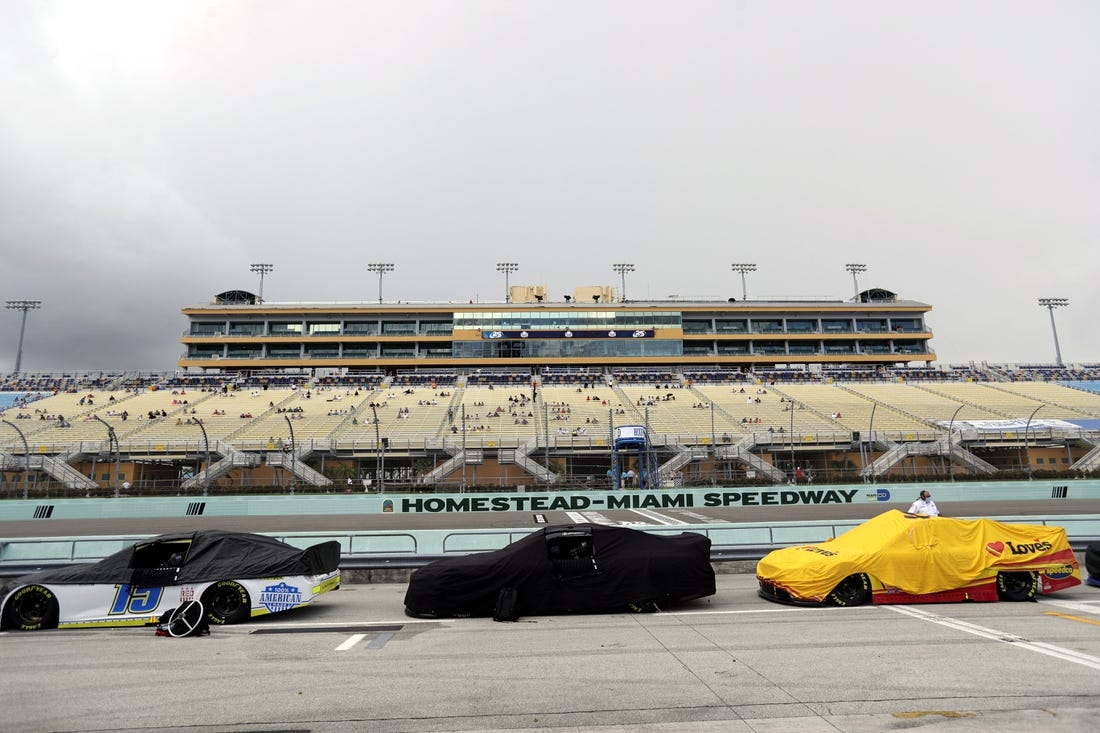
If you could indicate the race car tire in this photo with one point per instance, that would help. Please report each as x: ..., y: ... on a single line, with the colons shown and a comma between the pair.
x: 855, y: 590
x: 31, y: 608
x: 1017, y: 586
x: 1092, y: 559
x: 226, y: 602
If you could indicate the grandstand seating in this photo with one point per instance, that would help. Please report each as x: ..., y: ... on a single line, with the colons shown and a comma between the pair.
x: 851, y: 410
x: 684, y: 406
x: 1049, y: 393
x: 405, y: 416
x: 234, y: 411
x: 313, y: 415
x: 671, y: 410
x: 767, y: 408
x: 585, y: 411
x: 517, y: 418
x: 1005, y: 403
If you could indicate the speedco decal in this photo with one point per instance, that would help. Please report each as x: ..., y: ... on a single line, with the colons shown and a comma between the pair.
x: 1058, y: 572
x: 996, y: 549
x: 644, y: 500
x: 280, y: 597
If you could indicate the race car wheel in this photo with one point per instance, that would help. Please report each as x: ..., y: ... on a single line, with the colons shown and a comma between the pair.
x: 855, y: 590
x: 31, y: 608
x: 1017, y: 586
x: 226, y: 602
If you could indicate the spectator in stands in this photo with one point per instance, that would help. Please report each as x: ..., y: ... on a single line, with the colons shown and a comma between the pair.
x: 924, y: 505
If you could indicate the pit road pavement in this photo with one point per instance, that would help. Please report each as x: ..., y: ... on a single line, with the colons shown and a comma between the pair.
x: 731, y: 663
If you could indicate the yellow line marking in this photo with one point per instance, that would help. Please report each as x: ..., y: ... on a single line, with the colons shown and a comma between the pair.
x: 941, y: 713
x: 1072, y: 618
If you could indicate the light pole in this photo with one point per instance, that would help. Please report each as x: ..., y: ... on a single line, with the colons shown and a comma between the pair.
x: 22, y: 305
x: 622, y: 268
x: 854, y: 268
x: 381, y: 268
x: 790, y: 437
x: 1027, y: 444
x: 463, y: 490
x: 713, y: 448
x: 380, y: 457
x: 507, y: 268
x: 950, y: 444
x: 263, y: 268
x: 112, y: 440
x: 293, y: 454
x: 871, y: 440
x: 206, y: 458
x: 1049, y: 303
x: 743, y: 267
x: 26, y: 458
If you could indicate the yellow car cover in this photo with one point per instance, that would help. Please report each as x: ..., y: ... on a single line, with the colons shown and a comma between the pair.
x: 915, y: 554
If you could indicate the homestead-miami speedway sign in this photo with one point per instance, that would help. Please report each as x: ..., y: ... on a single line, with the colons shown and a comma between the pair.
x: 628, y: 500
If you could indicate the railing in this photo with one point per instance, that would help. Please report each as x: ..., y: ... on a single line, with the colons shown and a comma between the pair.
x: 596, y: 438
x: 382, y: 550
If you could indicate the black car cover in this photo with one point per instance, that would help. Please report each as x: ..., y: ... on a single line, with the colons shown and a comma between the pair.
x: 566, y: 568
x: 198, y: 556
x: 1092, y: 560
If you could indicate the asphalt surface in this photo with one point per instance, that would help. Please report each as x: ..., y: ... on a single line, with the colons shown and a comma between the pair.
x: 730, y: 663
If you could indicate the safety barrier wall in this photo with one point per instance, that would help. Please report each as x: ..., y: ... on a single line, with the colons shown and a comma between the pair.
x: 896, y: 495
x: 381, y: 549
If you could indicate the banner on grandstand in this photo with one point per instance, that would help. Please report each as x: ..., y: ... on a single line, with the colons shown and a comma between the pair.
x: 1011, y: 425
x: 626, y: 333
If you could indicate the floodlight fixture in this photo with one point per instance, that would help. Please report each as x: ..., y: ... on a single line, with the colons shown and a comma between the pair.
x: 743, y: 267
x: 263, y: 268
x: 854, y: 268
x: 21, y: 305
x: 1050, y: 304
x: 622, y: 268
x: 507, y: 268
x: 381, y: 268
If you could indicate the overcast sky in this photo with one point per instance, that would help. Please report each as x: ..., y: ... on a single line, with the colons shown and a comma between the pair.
x: 151, y: 151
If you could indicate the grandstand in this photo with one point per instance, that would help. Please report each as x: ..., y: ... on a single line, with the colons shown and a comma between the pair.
x: 531, y: 390
x: 150, y: 432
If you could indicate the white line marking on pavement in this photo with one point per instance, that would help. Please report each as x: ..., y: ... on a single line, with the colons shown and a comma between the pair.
x: 352, y: 641
x: 731, y: 613
x: 658, y: 517
x: 1079, y: 606
x: 1050, y: 650
x: 598, y: 518
x: 379, y: 641
x: 703, y: 519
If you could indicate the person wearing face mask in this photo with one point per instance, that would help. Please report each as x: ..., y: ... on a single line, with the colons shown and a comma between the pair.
x: 924, y: 505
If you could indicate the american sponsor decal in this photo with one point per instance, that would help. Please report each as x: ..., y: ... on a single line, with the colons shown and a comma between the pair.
x: 280, y: 597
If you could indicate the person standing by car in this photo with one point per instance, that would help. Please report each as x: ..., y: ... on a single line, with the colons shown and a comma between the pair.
x: 924, y: 505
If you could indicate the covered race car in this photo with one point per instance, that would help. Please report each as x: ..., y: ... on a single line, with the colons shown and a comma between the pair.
x: 905, y: 558
x: 234, y: 575
x: 1092, y: 564
x: 565, y: 569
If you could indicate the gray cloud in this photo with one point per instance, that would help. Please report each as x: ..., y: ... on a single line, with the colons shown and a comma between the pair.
x: 150, y: 151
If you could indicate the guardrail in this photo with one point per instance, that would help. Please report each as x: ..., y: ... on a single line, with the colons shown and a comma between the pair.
x: 409, y: 550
